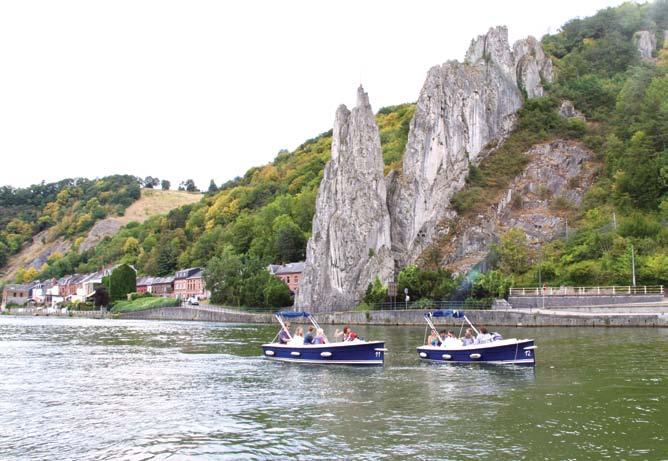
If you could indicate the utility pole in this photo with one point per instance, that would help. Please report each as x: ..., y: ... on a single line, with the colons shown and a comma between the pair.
x: 633, y: 265
x: 540, y: 266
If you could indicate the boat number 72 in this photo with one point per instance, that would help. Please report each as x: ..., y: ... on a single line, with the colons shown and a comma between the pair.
x: 527, y: 353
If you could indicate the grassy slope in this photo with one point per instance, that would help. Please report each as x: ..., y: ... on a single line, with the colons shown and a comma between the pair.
x: 143, y: 304
x: 155, y: 202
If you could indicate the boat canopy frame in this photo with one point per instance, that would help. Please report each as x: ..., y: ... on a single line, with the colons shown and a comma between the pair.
x: 456, y: 314
x: 280, y: 316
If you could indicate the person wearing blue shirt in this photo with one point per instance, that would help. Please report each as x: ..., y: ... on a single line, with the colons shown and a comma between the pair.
x: 308, y: 338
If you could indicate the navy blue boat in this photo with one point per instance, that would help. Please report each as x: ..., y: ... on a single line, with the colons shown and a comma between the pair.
x: 500, y: 351
x: 356, y: 352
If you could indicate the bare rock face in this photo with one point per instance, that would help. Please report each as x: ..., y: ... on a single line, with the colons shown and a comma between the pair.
x: 556, y: 177
x: 350, y: 243
x: 461, y: 108
x: 568, y: 110
x: 645, y: 42
x: 533, y: 67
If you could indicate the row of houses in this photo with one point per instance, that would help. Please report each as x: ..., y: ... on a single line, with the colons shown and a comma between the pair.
x: 185, y: 284
x: 52, y: 292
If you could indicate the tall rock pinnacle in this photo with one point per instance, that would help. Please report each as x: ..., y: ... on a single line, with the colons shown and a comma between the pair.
x: 461, y: 108
x: 350, y: 242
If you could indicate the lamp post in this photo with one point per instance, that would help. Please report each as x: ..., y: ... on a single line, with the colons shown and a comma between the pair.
x: 633, y: 265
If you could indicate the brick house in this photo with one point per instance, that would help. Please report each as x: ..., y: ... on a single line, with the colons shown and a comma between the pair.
x: 161, y: 286
x: 67, y: 286
x: 15, y: 294
x: 143, y: 284
x: 289, y: 273
x: 189, y: 283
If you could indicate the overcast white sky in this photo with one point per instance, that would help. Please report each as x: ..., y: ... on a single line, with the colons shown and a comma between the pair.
x: 207, y: 89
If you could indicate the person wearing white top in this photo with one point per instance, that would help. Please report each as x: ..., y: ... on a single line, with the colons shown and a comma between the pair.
x: 483, y: 337
x: 298, y: 338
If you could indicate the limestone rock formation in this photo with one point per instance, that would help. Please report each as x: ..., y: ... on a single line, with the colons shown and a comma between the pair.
x: 645, y: 42
x: 462, y: 108
x: 555, y: 177
x: 350, y: 243
x: 568, y: 110
x: 532, y: 66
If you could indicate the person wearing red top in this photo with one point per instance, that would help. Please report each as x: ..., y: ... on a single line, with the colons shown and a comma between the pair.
x: 347, y: 333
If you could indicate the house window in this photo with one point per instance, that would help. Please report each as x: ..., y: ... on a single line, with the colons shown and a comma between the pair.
x: 288, y: 279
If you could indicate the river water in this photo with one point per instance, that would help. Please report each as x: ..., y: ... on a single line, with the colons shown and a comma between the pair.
x: 117, y: 389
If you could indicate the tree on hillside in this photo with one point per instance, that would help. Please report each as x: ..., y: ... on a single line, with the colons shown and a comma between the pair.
x: 150, y: 182
x: 223, y: 278
x: 188, y: 185
x: 212, y: 187
x: 514, y: 252
x: 165, y: 185
x: 290, y: 241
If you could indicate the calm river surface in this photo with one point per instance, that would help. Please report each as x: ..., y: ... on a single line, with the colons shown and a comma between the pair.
x: 113, y: 389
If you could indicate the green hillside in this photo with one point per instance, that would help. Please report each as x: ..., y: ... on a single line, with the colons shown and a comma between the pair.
x: 67, y: 208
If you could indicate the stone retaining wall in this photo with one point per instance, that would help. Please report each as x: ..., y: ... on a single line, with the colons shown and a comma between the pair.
x: 553, y: 301
x: 509, y: 318
x: 33, y: 311
x: 202, y: 313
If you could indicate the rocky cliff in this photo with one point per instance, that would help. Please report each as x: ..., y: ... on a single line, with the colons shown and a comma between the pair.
x: 537, y: 201
x: 350, y: 243
x: 361, y: 232
x: 461, y: 108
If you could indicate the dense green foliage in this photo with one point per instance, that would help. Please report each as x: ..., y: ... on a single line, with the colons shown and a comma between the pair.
x: 261, y: 218
x: 67, y: 208
x: 429, y: 284
x: 121, y: 282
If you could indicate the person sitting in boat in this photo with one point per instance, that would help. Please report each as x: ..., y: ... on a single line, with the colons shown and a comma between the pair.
x: 451, y: 341
x: 284, y: 334
x: 468, y: 339
x: 347, y: 334
x: 310, y: 335
x: 434, y: 339
x: 483, y: 337
x: 297, y: 338
x: 320, y: 337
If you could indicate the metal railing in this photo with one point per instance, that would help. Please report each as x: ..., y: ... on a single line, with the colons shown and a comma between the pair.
x: 471, y: 304
x: 589, y: 291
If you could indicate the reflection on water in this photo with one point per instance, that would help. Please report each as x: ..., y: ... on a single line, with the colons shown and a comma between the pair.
x: 96, y: 389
